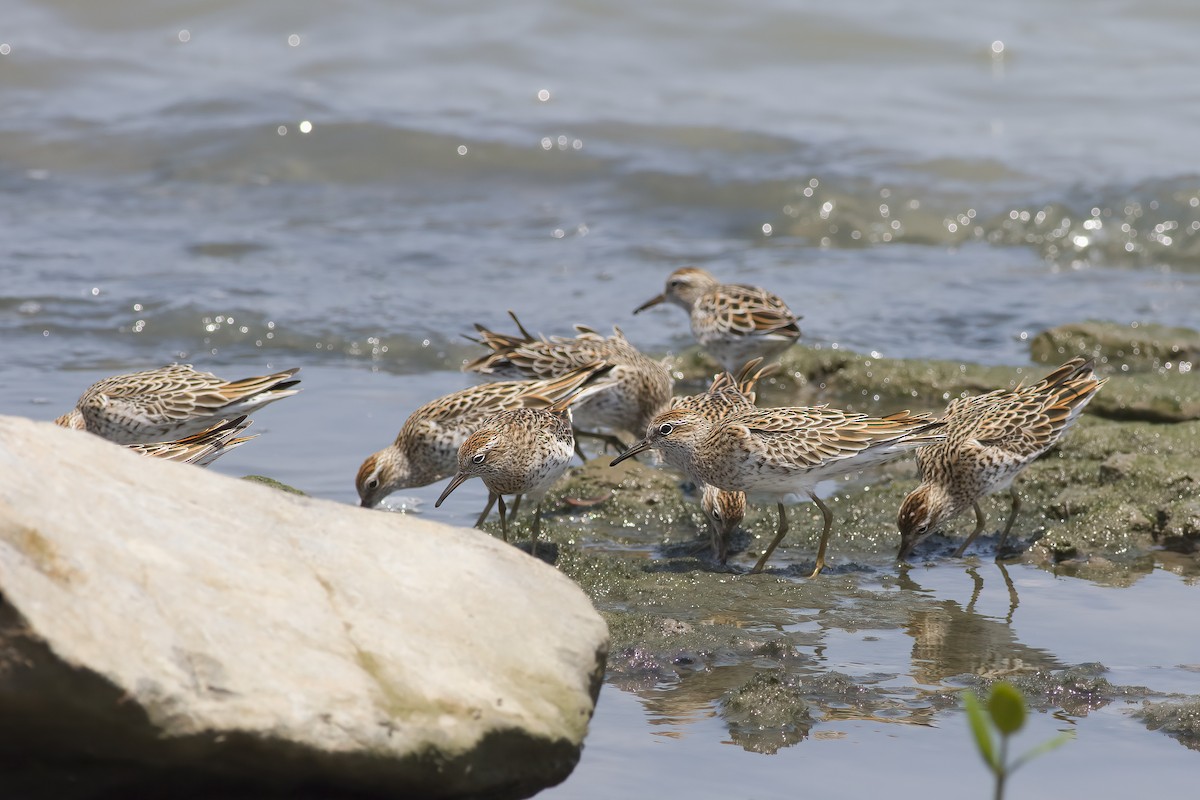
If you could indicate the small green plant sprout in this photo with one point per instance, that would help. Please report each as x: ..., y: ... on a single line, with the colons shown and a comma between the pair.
x: 995, y: 723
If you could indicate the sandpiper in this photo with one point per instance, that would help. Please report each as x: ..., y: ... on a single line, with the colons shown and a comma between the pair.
x: 426, y: 449
x: 779, y: 452
x: 727, y: 395
x: 725, y: 512
x: 201, y: 448
x: 731, y: 321
x: 638, y: 386
x: 518, y: 452
x: 990, y: 439
x: 171, y: 402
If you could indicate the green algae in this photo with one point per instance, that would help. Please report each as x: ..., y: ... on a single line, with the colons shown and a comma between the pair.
x: 1179, y: 720
x: 867, y: 383
x: 1139, y: 346
x: 1077, y: 690
x: 274, y: 484
x: 770, y: 703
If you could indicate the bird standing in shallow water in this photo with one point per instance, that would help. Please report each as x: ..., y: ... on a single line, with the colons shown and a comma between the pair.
x: 171, y: 402
x: 731, y: 321
x: 780, y: 452
x: 990, y: 439
x: 426, y: 449
x: 638, y: 386
x: 518, y: 452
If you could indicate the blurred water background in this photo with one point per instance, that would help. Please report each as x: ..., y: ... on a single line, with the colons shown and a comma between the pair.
x: 347, y: 187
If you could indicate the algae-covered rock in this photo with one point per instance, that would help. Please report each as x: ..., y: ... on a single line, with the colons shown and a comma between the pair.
x: 1178, y: 525
x: 867, y: 383
x: 767, y: 713
x: 1163, y: 396
x: 626, y: 489
x: 1136, y: 347
x: 870, y: 384
x: 630, y: 503
x: 1077, y: 690
x: 1180, y: 720
x: 1150, y: 367
x: 1105, y: 490
x: 274, y: 484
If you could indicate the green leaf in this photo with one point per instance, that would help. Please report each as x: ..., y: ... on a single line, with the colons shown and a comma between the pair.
x: 1006, y: 704
x: 979, y: 727
x: 1043, y: 748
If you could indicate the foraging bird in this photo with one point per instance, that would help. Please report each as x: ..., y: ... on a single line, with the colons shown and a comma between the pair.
x: 731, y: 321
x: 426, y: 448
x: 724, y: 512
x: 170, y: 402
x: 990, y: 439
x: 727, y: 395
x: 519, y: 452
x: 638, y: 386
x: 779, y: 452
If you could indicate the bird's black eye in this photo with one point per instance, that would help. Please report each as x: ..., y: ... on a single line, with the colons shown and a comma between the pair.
x: 716, y: 515
x: 665, y: 429
x: 478, y: 458
x: 373, y: 484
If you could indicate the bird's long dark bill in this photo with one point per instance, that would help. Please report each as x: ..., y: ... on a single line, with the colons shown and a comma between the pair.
x: 644, y: 444
x: 455, y: 482
x: 651, y: 303
x: 907, y: 546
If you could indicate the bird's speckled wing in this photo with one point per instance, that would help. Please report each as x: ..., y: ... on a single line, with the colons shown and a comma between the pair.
x: 722, y: 399
x: 201, y: 448
x: 745, y: 310
x: 541, y: 358
x: 808, y: 437
x: 1025, y: 421
x: 469, y: 408
x: 174, y: 400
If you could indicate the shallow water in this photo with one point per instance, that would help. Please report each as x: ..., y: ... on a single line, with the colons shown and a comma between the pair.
x: 632, y: 752
x: 348, y: 187
x: 674, y: 737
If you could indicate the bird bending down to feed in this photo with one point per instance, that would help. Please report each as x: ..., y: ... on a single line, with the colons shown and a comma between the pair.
x: 990, y: 439
x: 726, y: 395
x: 519, y: 452
x: 426, y: 448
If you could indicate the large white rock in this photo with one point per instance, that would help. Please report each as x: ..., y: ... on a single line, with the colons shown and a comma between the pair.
x: 195, y: 625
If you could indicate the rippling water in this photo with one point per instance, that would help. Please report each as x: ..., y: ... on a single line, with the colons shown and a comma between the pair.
x: 348, y: 187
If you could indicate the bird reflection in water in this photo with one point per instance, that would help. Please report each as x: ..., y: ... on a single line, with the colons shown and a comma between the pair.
x: 950, y: 639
